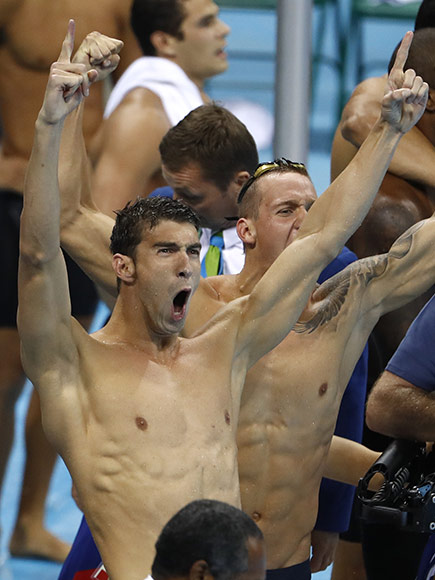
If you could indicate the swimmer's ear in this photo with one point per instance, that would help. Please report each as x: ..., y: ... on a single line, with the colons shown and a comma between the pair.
x: 124, y: 268
x: 237, y: 182
x: 164, y: 44
x: 200, y: 571
x: 246, y: 231
x: 241, y: 177
x: 430, y: 106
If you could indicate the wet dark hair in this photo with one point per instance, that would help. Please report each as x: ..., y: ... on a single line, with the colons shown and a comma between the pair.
x: 215, y: 140
x: 148, y: 16
x: 207, y: 530
x: 421, y: 55
x: 132, y: 220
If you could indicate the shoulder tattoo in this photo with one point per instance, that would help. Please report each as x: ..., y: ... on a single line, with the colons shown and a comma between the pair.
x: 331, y: 295
x: 329, y: 299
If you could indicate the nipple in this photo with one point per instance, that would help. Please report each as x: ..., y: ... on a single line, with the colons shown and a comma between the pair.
x: 323, y: 388
x: 141, y: 423
x: 227, y: 418
x: 256, y: 516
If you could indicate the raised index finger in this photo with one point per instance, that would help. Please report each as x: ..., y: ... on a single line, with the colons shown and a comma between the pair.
x: 402, y: 51
x: 68, y: 43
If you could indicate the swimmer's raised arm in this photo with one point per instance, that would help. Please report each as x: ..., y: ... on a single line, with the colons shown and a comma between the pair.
x: 44, y: 320
x: 85, y: 231
x: 404, y: 273
x: 384, y: 282
x: 280, y: 296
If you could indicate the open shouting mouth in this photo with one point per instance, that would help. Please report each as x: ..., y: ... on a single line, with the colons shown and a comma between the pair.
x: 179, y: 304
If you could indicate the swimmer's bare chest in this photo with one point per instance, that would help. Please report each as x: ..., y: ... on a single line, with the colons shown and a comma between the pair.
x: 150, y: 425
x: 295, y: 382
x: 287, y: 418
x: 158, y: 402
x: 35, y: 30
x: 29, y: 43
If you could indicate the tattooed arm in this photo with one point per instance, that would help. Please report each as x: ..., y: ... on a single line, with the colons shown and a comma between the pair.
x: 394, y: 279
x: 377, y: 284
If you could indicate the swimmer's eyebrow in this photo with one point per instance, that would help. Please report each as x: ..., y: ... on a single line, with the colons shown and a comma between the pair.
x: 175, y: 246
x: 294, y: 204
x: 208, y: 18
x: 205, y: 20
x: 290, y: 203
x: 187, y: 193
x: 165, y: 245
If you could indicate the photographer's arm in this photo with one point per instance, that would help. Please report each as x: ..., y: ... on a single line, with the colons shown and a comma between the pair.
x: 400, y: 409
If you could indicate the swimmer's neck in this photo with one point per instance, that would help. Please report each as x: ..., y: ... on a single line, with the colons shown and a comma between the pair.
x: 252, y: 272
x: 135, y: 330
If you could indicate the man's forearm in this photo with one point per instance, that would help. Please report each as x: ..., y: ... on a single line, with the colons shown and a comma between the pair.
x: 85, y: 232
x: 74, y: 168
x: 40, y: 226
x: 402, y: 106
x: 87, y: 241
x: 414, y: 159
x: 399, y: 409
x: 348, y: 460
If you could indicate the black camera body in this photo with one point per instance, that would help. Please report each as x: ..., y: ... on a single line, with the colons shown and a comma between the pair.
x: 406, y: 499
